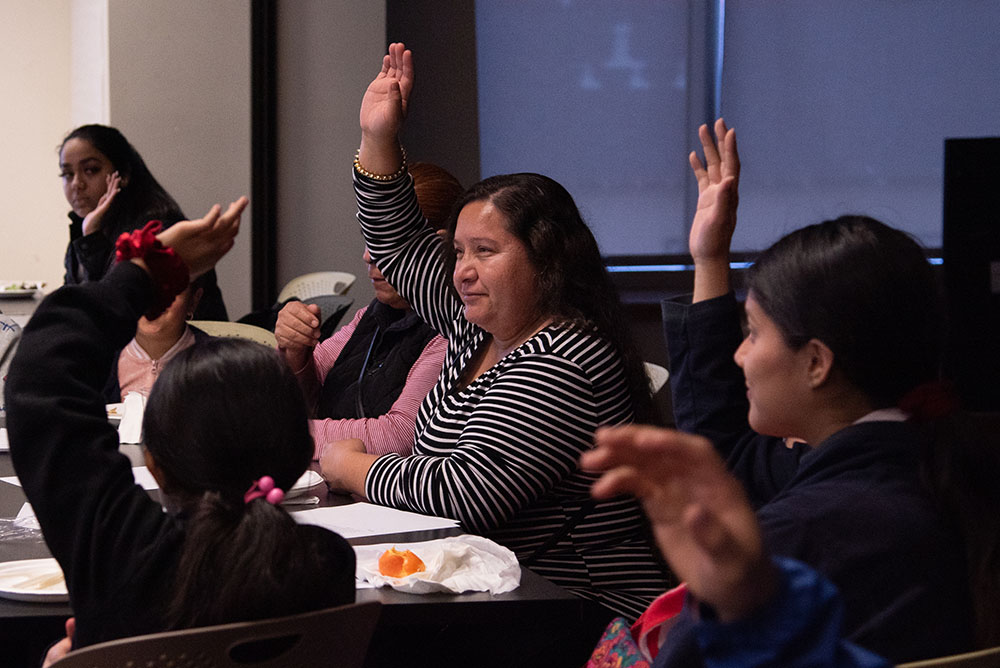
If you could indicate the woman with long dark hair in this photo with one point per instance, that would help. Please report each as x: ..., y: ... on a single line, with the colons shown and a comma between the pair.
x: 842, y: 352
x: 225, y: 432
x: 538, y: 358
x: 111, y: 191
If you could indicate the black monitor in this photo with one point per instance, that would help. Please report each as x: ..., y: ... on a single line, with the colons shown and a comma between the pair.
x: 971, y: 252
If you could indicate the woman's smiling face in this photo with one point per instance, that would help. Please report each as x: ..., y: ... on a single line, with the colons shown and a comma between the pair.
x: 776, y: 375
x: 493, y: 274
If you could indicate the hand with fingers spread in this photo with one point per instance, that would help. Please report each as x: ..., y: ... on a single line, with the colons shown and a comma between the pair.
x: 92, y: 221
x: 297, y: 332
x: 700, y: 517
x: 383, y: 109
x: 715, y: 217
x: 202, y: 242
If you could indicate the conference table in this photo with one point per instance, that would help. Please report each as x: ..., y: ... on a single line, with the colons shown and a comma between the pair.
x: 538, y: 623
x: 21, y: 308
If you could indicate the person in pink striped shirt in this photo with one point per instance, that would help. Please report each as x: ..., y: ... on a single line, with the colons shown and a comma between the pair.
x: 367, y: 380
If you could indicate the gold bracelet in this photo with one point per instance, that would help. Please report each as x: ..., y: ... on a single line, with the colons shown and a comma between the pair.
x: 380, y: 177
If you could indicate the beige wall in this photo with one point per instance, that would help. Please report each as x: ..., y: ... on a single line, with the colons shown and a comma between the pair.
x: 328, y: 52
x: 180, y: 91
x: 178, y: 87
x: 174, y: 75
x: 35, y: 114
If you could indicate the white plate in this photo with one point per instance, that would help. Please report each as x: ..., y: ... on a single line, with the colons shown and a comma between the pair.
x: 309, y: 479
x: 33, y: 580
x: 20, y: 288
x: 17, y: 292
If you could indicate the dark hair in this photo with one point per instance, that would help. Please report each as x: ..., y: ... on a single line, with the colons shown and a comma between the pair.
x: 866, y: 291
x: 224, y: 413
x: 960, y: 463
x: 437, y: 190
x: 142, y: 198
x: 573, y: 283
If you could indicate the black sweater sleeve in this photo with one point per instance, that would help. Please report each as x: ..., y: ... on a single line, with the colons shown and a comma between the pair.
x: 96, y: 521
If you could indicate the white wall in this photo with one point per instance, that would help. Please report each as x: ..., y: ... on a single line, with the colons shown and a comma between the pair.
x: 35, y: 114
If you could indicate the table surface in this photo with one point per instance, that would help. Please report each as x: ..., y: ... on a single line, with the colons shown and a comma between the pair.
x: 536, y: 594
x: 537, y: 624
x: 21, y: 308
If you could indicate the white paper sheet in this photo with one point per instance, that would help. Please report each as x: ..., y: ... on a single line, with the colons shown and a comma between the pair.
x: 365, y: 519
x: 4, y: 443
x: 142, y: 477
x: 130, y: 428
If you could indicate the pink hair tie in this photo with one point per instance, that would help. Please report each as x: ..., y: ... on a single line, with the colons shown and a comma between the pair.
x: 264, y: 488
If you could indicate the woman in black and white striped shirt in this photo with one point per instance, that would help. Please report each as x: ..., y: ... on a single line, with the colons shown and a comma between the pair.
x: 538, y: 358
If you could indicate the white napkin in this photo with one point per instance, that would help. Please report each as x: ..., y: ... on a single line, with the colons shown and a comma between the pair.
x: 454, y: 565
x: 4, y: 443
x: 130, y: 428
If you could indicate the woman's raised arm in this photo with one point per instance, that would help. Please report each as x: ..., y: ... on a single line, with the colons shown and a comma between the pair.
x: 715, y: 217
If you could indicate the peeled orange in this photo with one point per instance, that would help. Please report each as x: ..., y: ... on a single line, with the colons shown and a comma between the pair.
x: 398, y: 564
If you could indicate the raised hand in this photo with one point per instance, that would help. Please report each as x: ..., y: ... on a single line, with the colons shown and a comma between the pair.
x: 92, y: 221
x: 383, y: 109
x: 702, y: 521
x: 297, y: 331
x: 715, y: 217
x: 202, y: 242
x: 718, y: 180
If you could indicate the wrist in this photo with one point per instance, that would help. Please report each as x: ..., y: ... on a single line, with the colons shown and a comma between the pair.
x: 380, y: 159
x: 167, y: 270
x: 720, y: 260
x: 711, y: 279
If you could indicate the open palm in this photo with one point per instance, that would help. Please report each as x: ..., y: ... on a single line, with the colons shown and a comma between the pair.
x: 385, y: 103
x: 202, y: 242
x: 718, y: 181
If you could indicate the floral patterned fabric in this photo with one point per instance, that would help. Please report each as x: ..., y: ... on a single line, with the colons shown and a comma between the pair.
x: 617, y: 648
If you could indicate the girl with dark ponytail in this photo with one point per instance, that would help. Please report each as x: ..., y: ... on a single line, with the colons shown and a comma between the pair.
x: 225, y: 430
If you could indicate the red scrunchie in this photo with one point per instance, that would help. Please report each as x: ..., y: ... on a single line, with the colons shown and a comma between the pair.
x: 930, y: 401
x: 167, y: 269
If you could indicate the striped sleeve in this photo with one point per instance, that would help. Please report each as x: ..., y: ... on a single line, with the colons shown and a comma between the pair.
x: 406, y: 250
x: 523, y: 438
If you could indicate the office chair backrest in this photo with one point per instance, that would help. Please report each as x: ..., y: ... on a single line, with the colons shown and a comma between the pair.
x: 658, y: 376
x: 332, y: 637
x: 237, y: 330
x: 317, y: 283
x: 986, y: 658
